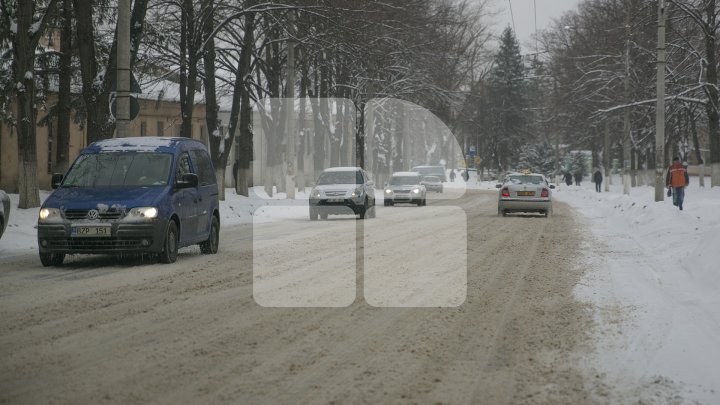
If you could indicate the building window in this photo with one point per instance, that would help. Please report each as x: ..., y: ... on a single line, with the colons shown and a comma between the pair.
x: 143, y: 128
x: 203, y: 135
x: 160, y: 129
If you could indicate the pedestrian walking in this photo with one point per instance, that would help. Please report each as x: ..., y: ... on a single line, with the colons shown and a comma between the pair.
x: 568, y: 178
x: 466, y: 175
x: 578, y: 178
x: 452, y: 175
x: 597, y: 179
x: 677, y: 179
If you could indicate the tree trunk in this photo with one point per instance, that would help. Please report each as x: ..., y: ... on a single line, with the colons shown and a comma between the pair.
x: 219, y: 144
x: 242, y: 110
x: 188, y: 67
x: 24, y: 61
x: 711, y: 72
x: 62, y: 148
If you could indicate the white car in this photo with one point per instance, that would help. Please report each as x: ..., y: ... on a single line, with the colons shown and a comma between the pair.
x: 341, y: 191
x: 405, y: 188
x: 525, y: 192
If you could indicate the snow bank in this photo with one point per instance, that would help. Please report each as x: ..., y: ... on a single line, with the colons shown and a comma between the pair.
x: 655, y: 286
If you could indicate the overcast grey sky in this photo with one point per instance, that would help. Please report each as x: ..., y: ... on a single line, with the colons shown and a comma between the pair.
x: 525, y: 16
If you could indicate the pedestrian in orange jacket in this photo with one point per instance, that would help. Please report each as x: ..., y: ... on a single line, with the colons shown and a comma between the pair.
x: 677, y: 179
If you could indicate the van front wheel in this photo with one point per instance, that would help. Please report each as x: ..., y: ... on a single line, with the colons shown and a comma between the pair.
x: 170, y: 247
x: 210, y: 246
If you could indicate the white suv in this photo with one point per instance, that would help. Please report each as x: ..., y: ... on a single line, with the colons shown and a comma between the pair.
x: 341, y: 191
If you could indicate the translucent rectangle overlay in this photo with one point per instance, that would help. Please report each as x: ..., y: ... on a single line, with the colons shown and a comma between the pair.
x: 416, y: 257
x: 284, y: 276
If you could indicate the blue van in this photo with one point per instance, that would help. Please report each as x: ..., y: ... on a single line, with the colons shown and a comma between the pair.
x: 132, y: 196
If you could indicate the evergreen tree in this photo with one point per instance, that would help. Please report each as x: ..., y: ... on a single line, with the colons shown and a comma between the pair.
x: 508, y: 102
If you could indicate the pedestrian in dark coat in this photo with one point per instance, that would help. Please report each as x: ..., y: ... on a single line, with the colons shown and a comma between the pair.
x: 578, y: 178
x: 568, y: 178
x: 597, y: 179
x: 452, y: 175
x: 677, y: 179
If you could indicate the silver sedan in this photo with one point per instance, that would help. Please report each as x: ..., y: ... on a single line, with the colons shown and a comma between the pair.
x: 525, y: 192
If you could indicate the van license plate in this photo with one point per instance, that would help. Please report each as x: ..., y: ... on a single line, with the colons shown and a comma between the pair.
x: 90, y: 231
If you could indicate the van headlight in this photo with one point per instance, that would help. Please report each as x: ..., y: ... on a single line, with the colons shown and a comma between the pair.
x: 143, y: 213
x: 357, y: 193
x: 416, y: 191
x: 49, y: 214
x: 388, y: 191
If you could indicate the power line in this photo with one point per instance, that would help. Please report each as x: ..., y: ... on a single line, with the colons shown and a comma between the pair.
x: 512, y: 16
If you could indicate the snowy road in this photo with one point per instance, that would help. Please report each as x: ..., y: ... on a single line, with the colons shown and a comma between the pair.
x: 192, y: 332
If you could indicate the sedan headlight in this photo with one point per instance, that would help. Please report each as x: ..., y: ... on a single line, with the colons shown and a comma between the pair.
x: 315, y: 194
x: 143, y: 213
x: 49, y: 214
x: 416, y: 191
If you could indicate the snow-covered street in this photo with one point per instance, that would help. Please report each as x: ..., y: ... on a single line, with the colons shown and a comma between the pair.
x: 623, y: 308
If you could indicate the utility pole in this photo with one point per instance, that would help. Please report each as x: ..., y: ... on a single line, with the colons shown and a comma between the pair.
x: 606, y: 156
x: 627, y: 139
x: 660, y: 109
x: 557, y: 134
x: 290, y: 112
x: 122, y: 102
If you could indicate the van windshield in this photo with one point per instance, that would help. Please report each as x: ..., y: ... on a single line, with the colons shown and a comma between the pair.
x: 133, y: 169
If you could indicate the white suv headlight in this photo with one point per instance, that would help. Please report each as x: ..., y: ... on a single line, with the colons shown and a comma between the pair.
x: 416, y: 190
x: 357, y: 193
x: 315, y: 194
x: 143, y: 213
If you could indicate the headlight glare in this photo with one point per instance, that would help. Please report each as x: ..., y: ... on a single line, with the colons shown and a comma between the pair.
x: 144, y: 213
x: 416, y: 190
x: 49, y: 213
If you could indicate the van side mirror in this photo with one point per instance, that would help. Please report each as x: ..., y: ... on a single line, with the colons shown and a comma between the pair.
x: 498, y: 185
x: 189, y: 180
x: 552, y: 187
x: 371, y: 183
x: 57, y: 178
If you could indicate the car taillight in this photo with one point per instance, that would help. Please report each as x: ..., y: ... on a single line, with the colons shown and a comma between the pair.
x: 545, y: 193
x: 505, y: 192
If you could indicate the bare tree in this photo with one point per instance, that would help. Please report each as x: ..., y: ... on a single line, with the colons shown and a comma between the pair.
x: 28, y: 19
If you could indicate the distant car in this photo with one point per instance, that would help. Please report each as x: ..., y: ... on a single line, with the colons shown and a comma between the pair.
x: 342, y: 190
x: 432, y: 183
x: 438, y: 171
x: 525, y: 192
x: 405, y: 188
x: 132, y: 196
x: 4, y: 212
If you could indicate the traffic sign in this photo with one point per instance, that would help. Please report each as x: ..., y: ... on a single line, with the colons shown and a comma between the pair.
x: 134, y: 107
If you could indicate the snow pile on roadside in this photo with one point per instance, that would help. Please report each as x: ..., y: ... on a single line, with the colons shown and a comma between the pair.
x: 656, y: 289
